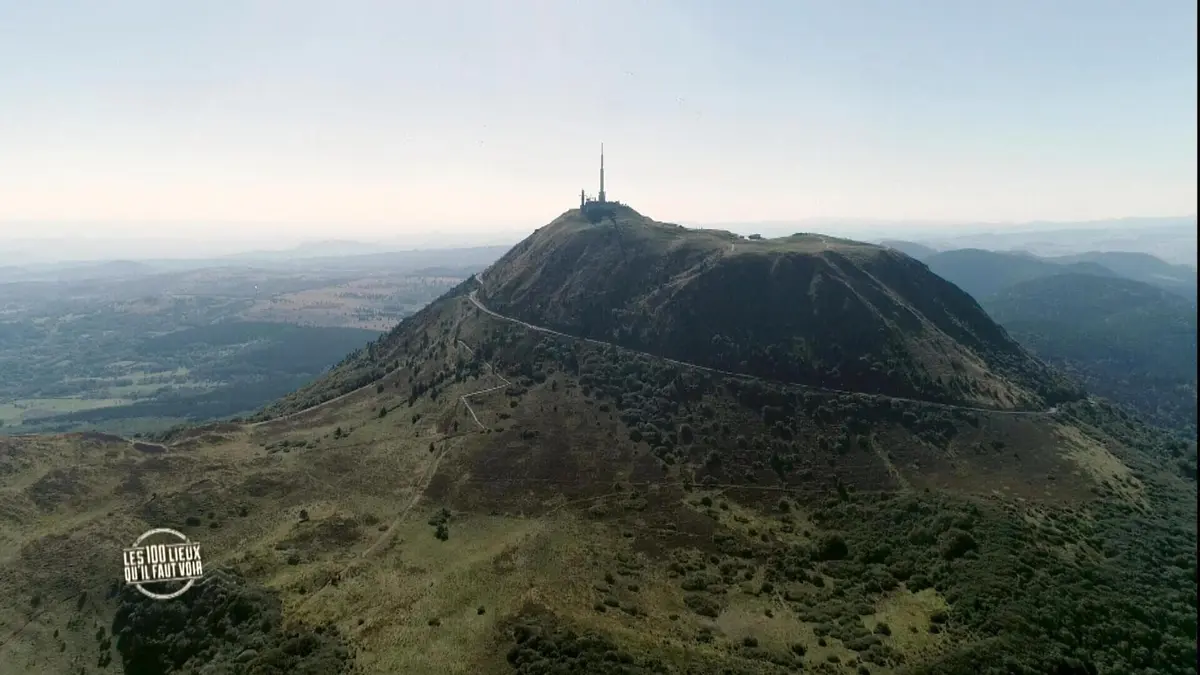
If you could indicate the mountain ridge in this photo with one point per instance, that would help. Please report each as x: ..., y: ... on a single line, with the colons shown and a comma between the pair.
x: 1143, y: 267
x: 982, y: 273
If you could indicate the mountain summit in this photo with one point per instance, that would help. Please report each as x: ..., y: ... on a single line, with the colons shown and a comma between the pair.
x: 805, y: 309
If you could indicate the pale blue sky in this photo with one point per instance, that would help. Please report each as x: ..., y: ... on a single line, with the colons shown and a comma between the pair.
x: 371, y: 118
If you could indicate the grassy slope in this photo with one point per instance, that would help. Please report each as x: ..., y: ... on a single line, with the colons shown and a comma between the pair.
x: 627, y: 500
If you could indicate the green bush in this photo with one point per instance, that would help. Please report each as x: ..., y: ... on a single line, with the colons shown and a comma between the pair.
x: 222, y: 625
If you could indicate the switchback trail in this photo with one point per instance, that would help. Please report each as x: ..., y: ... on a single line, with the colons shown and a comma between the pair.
x: 464, y: 397
x: 542, y: 329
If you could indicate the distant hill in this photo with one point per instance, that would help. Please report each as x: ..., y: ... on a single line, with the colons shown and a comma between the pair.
x: 1126, y: 340
x: 1171, y: 239
x: 910, y: 248
x: 982, y: 273
x: 472, y: 258
x: 396, y: 261
x: 1180, y: 279
x: 475, y: 257
x: 77, y: 271
x: 310, y: 249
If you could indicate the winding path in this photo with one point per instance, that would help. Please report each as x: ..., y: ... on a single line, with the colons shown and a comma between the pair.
x: 322, y: 404
x: 542, y: 329
x: 464, y: 397
x: 550, y: 331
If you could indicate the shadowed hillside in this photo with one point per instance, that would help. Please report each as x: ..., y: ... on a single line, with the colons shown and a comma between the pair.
x: 1127, y: 341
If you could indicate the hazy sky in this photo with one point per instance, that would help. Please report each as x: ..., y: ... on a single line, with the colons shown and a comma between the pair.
x: 354, y: 118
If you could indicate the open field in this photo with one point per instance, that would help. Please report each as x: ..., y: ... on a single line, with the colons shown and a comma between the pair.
x: 21, y: 411
x: 373, y: 303
x: 140, y: 354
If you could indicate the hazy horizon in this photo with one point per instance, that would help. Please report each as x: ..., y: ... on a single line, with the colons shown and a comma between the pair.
x: 93, y: 246
x: 282, y: 234
x: 378, y: 119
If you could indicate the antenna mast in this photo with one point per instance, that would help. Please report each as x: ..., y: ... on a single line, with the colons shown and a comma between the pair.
x: 601, y: 173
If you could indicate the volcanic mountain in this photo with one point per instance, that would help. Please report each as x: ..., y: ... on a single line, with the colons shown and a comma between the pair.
x: 804, y: 309
x: 628, y: 447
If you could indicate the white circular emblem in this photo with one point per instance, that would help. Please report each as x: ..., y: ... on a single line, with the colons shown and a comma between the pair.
x: 158, y: 563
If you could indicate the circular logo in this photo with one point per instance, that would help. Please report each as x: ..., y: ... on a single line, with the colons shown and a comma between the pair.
x: 155, y: 563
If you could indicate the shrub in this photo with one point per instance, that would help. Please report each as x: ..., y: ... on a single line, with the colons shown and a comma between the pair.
x: 702, y: 605
x: 832, y: 547
x: 223, y: 625
x: 686, y: 435
x: 955, y: 543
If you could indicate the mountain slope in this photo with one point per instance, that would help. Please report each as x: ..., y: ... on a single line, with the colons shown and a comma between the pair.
x: 470, y: 494
x: 983, y: 273
x: 910, y: 248
x: 805, y: 309
x: 1128, y: 341
x: 1143, y: 267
